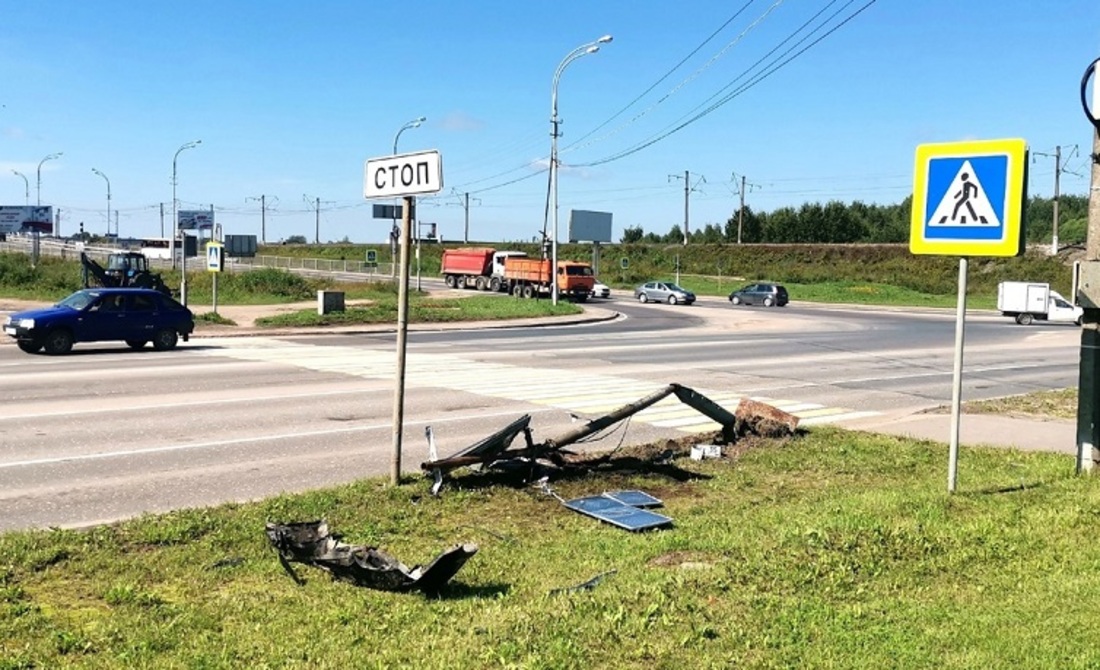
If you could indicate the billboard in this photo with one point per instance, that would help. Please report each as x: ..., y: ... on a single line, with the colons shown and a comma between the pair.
x: 586, y: 226
x: 195, y: 219
x: 25, y: 219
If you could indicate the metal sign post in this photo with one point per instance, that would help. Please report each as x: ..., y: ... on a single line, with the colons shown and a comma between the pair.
x: 968, y: 200
x: 403, y: 175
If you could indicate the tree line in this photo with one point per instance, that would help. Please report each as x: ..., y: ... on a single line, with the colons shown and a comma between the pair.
x: 838, y: 223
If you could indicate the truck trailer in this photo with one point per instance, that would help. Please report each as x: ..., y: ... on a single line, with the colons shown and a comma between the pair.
x: 480, y: 268
x: 1029, y: 301
x: 530, y: 278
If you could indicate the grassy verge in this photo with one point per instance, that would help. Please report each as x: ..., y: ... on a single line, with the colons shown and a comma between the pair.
x: 835, y: 549
x: 426, y: 310
x: 1058, y: 404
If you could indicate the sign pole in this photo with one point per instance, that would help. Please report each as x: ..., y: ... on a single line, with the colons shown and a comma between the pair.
x: 402, y: 338
x: 956, y: 380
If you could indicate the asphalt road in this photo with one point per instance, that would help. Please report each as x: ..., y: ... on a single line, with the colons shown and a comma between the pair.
x: 107, y: 433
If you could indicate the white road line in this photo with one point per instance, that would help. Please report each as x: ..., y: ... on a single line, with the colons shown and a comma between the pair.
x: 567, y: 390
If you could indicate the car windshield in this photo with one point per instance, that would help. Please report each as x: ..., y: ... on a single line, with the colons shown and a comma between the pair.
x: 78, y: 300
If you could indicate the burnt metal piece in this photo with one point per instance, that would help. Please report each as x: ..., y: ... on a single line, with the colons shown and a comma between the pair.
x: 311, y: 543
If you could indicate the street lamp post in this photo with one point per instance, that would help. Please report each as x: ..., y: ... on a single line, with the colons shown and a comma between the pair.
x: 38, y: 183
x: 26, y: 187
x: 415, y: 123
x: 108, y: 200
x: 583, y: 50
x: 175, y: 225
x: 402, y: 321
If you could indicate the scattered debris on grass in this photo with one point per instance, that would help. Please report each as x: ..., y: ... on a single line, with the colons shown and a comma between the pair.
x: 310, y: 542
x: 533, y: 460
x: 583, y: 586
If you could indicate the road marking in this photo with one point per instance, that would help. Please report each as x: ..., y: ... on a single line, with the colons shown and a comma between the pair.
x: 596, y: 394
x: 238, y: 441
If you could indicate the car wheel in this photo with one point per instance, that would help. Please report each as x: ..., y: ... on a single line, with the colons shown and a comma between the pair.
x: 768, y: 302
x: 672, y: 300
x: 451, y: 281
x: 494, y: 284
x: 135, y: 344
x: 528, y: 291
x: 165, y: 339
x: 58, y: 341
x: 643, y: 298
x: 517, y: 291
x: 29, y: 346
x: 1024, y: 319
x: 736, y: 299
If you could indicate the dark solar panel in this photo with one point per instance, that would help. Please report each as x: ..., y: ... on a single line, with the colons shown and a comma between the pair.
x: 634, y: 498
x: 616, y: 513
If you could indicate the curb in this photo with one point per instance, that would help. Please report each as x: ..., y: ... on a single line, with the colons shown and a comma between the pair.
x: 583, y: 319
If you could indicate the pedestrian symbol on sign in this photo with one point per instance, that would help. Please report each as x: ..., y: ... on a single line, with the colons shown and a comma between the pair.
x: 214, y: 257
x: 965, y: 195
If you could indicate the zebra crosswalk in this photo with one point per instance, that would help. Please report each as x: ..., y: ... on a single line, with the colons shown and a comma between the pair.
x: 587, y: 395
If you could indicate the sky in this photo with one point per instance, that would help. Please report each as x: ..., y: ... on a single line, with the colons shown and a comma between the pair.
x: 805, y: 100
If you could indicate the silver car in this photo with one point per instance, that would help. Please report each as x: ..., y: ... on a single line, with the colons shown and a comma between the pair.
x: 664, y: 291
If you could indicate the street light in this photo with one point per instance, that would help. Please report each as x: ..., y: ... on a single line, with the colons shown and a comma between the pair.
x: 38, y: 185
x: 108, y: 200
x: 415, y: 123
x: 583, y: 50
x: 26, y: 187
x: 176, y: 223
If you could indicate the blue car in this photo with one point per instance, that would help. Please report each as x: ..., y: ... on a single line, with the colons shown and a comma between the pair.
x: 135, y: 316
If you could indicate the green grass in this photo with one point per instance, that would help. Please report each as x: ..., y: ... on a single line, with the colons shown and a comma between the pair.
x: 426, y: 310
x: 1059, y: 404
x: 834, y: 549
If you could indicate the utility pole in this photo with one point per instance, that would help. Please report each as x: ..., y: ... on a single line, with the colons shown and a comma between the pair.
x: 316, y: 203
x: 263, y: 215
x: 162, y: 219
x: 688, y: 188
x: 741, y: 210
x: 1088, y: 293
x: 1059, y: 167
x: 464, y: 202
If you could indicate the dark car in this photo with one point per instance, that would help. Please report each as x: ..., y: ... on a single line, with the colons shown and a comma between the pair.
x: 768, y: 295
x: 663, y: 291
x: 135, y: 316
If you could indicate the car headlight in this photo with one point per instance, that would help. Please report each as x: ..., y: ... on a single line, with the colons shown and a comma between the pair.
x: 26, y: 323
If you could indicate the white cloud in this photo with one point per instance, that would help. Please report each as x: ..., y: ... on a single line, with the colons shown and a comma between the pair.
x: 460, y: 122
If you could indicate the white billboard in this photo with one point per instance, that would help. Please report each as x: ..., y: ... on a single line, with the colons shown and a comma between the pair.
x: 25, y: 219
x: 195, y: 219
x: 586, y: 226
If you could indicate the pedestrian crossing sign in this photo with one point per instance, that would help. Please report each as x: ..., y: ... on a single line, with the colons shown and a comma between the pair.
x: 969, y: 197
x: 215, y: 258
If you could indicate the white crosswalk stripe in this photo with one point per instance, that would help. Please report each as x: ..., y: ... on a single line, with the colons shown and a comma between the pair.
x: 598, y: 395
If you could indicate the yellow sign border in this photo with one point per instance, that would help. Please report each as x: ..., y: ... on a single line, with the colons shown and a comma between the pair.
x: 1015, y: 196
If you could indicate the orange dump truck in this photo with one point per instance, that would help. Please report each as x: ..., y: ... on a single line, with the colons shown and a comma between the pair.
x: 530, y: 278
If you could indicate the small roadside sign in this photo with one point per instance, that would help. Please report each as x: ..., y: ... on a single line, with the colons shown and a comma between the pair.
x: 969, y: 198
x: 624, y: 263
x: 215, y: 258
x: 403, y: 175
x: 372, y: 256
